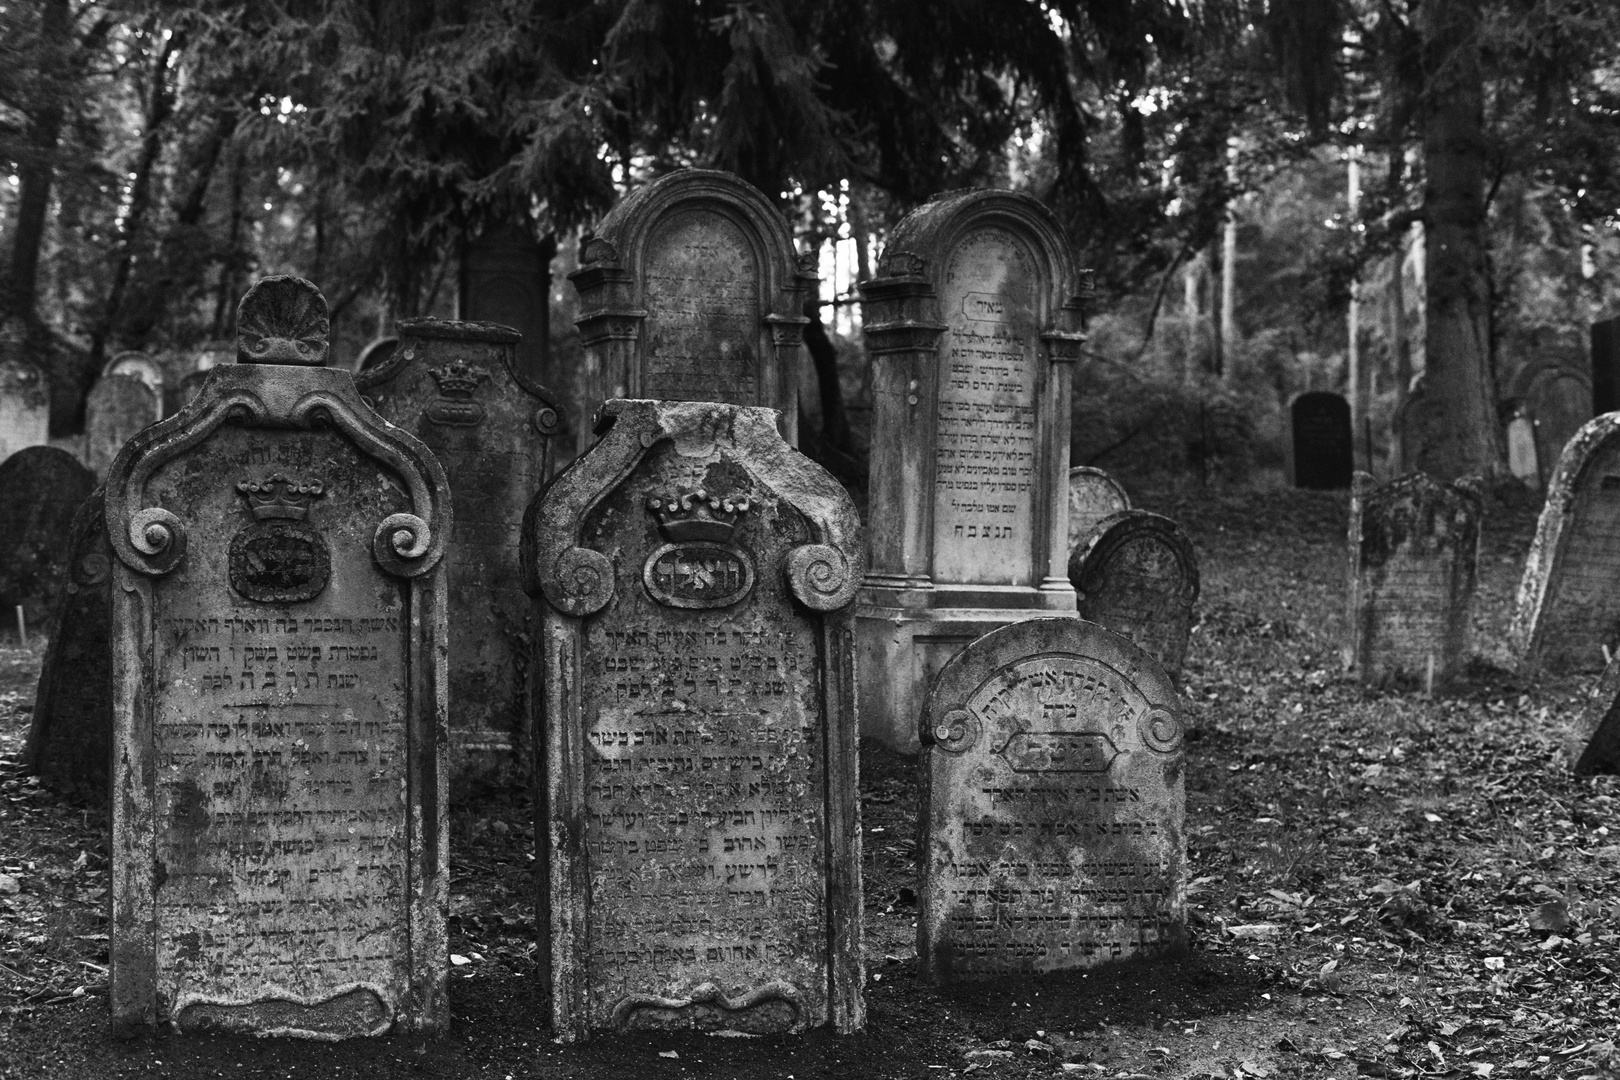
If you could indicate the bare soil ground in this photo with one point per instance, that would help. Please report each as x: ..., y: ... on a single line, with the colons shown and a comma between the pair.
x: 1382, y: 884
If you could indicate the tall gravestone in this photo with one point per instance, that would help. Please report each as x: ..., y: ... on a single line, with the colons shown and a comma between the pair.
x: 1053, y: 803
x: 702, y: 861
x: 141, y: 366
x: 506, y: 279
x: 458, y: 387
x: 1606, y: 366
x: 117, y: 408
x: 973, y: 322
x: 41, y: 488
x: 279, y: 840
x: 1093, y: 495
x: 1324, y: 451
x: 691, y: 290
x: 25, y: 399
x: 1137, y: 574
x: 1414, y: 552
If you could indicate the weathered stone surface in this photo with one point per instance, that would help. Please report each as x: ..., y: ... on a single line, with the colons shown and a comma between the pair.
x: 702, y: 830
x: 1594, y: 736
x: 379, y: 352
x: 1524, y: 457
x: 117, y: 408
x: 691, y: 290
x: 41, y: 488
x: 70, y: 738
x: 973, y: 322
x: 1414, y: 549
x: 1324, y: 451
x: 138, y: 364
x: 190, y: 371
x: 25, y: 397
x: 279, y: 846
x: 1053, y: 802
x: 1093, y: 495
x: 1557, y: 391
x: 458, y: 388
x: 1568, y: 607
x: 1137, y: 574
x: 506, y: 279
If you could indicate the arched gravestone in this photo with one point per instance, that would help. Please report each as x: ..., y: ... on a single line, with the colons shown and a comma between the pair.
x: 1519, y: 433
x: 138, y: 364
x: 1324, y: 450
x: 700, y: 821
x: 457, y: 387
x: 25, y: 401
x: 279, y: 845
x: 118, y: 406
x: 1414, y: 552
x: 1053, y: 804
x: 379, y: 352
x: 194, y: 368
x: 1093, y: 495
x: 41, y: 488
x: 1137, y: 575
x: 691, y: 290
x: 70, y: 737
x: 506, y: 279
x: 973, y: 323
x: 1606, y: 366
x: 1561, y: 398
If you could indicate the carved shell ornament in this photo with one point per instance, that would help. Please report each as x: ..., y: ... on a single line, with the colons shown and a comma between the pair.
x: 282, y: 320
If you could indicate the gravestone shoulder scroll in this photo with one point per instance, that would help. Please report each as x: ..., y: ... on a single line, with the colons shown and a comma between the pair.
x: 457, y: 386
x: 701, y: 852
x: 279, y: 840
x: 1324, y: 448
x: 1137, y: 574
x: 43, y: 488
x: 1053, y: 806
x: 117, y: 407
x: 1093, y: 495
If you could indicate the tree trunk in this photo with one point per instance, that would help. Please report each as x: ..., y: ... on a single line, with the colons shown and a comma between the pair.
x: 225, y: 300
x: 36, y: 171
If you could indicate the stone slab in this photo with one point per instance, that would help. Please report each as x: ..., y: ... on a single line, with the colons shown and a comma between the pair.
x: 1137, y: 574
x: 1324, y: 448
x: 25, y: 402
x: 506, y: 279
x: 41, y: 488
x: 118, y: 406
x: 1093, y: 495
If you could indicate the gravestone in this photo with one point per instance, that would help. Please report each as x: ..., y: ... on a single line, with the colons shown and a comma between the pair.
x: 279, y: 841
x: 117, y: 408
x: 25, y: 401
x: 458, y: 388
x: 973, y: 321
x: 1093, y: 495
x: 690, y: 290
x: 1137, y: 574
x: 1053, y: 802
x: 377, y: 353
x: 1524, y: 459
x: 1414, y: 550
x: 138, y: 364
x: 506, y: 279
x: 1594, y: 736
x: 1606, y: 366
x: 70, y: 738
x: 192, y: 371
x: 1324, y: 452
x: 41, y: 487
x: 702, y: 862
x: 1568, y: 607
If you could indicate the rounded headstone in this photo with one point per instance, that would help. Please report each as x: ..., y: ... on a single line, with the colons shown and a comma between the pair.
x: 1324, y: 449
x: 1137, y: 574
x: 118, y: 407
x: 1093, y: 495
x: 41, y: 488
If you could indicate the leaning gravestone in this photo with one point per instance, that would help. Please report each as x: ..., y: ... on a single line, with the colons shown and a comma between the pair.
x: 690, y: 290
x: 700, y: 809
x: 1324, y: 450
x: 41, y: 488
x: 1093, y: 495
x: 458, y: 388
x: 973, y: 321
x: 117, y: 408
x: 1137, y: 574
x: 25, y: 400
x: 1053, y: 802
x: 1414, y: 551
x: 279, y: 840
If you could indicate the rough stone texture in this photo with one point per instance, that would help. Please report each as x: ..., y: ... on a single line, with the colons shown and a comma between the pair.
x: 506, y: 279
x: 1414, y: 549
x: 457, y: 387
x: 973, y: 321
x: 1093, y: 495
x: 279, y: 846
x: 691, y: 290
x: 41, y: 488
x: 700, y: 813
x: 1137, y: 574
x: 25, y: 402
x: 117, y: 408
x: 377, y: 353
x: 70, y: 738
x: 1053, y: 801
x: 1324, y: 451
x: 1594, y: 736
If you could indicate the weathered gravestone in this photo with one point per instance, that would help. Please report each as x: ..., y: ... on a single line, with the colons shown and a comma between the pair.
x: 1324, y: 451
x: 279, y: 858
x: 138, y: 364
x: 690, y: 290
x: 1519, y: 432
x: 1053, y: 801
x: 1414, y: 549
x: 25, y: 398
x: 1093, y: 495
x: 1559, y: 393
x: 1568, y: 608
x: 379, y: 352
x: 457, y: 387
x: 117, y: 408
x: 41, y: 488
x: 973, y: 323
x: 702, y: 859
x: 1137, y: 574
x: 506, y: 279
x: 1606, y: 366
x: 1594, y: 735
x: 192, y: 372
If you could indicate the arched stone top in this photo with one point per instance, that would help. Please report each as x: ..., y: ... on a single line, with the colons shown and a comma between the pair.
x: 1532, y: 378
x: 138, y: 364
x: 1091, y: 556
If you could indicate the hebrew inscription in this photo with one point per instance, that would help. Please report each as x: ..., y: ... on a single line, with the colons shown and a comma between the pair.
x: 703, y: 310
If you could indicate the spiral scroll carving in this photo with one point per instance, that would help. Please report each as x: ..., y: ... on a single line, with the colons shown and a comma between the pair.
x: 820, y: 576
x: 957, y: 731
x: 1161, y: 729
x: 158, y: 537
x: 581, y: 582
x: 400, y: 542
x: 546, y: 420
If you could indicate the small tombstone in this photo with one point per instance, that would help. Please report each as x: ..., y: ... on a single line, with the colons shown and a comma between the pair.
x: 1137, y: 574
x: 1561, y: 398
x: 378, y: 353
x: 1324, y: 452
x: 25, y: 399
x: 1414, y: 548
x: 458, y: 388
x: 42, y: 488
x: 703, y: 851
x: 1093, y: 495
x: 1606, y: 366
x: 1524, y: 460
x: 691, y: 290
x: 1053, y: 802
x: 1594, y: 737
x: 506, y: 279
x: 138, y: 364
x: 974, y: 321
x: 279, y: 840
x: 70, y: 739
x: 117, y: 408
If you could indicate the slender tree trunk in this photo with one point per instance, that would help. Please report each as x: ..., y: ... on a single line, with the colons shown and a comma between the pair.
x: 37, y: 170
x: 225, y: 300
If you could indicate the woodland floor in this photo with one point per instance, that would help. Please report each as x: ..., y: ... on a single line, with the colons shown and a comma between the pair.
x: 1382, y: 884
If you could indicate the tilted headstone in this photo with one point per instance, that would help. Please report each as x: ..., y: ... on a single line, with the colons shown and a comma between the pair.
x: 1053, y: 802
x: 25, y: 401
x: 691, y: 290
x: 117, y: 408
x: 973, y: 321
x: 1324, y: 450
x: 1594, y: 736
x: 1414, y: 551
x: 458, y: 388
x: 506, y: 279
x: 138, y: 364
x: 1137, y: 574
x: 279, y: 841
x: 41, y: 488
x: 1568, y: 607
x: 700, y: 816
x: 1093, y: 495
x: 1606, y: 366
